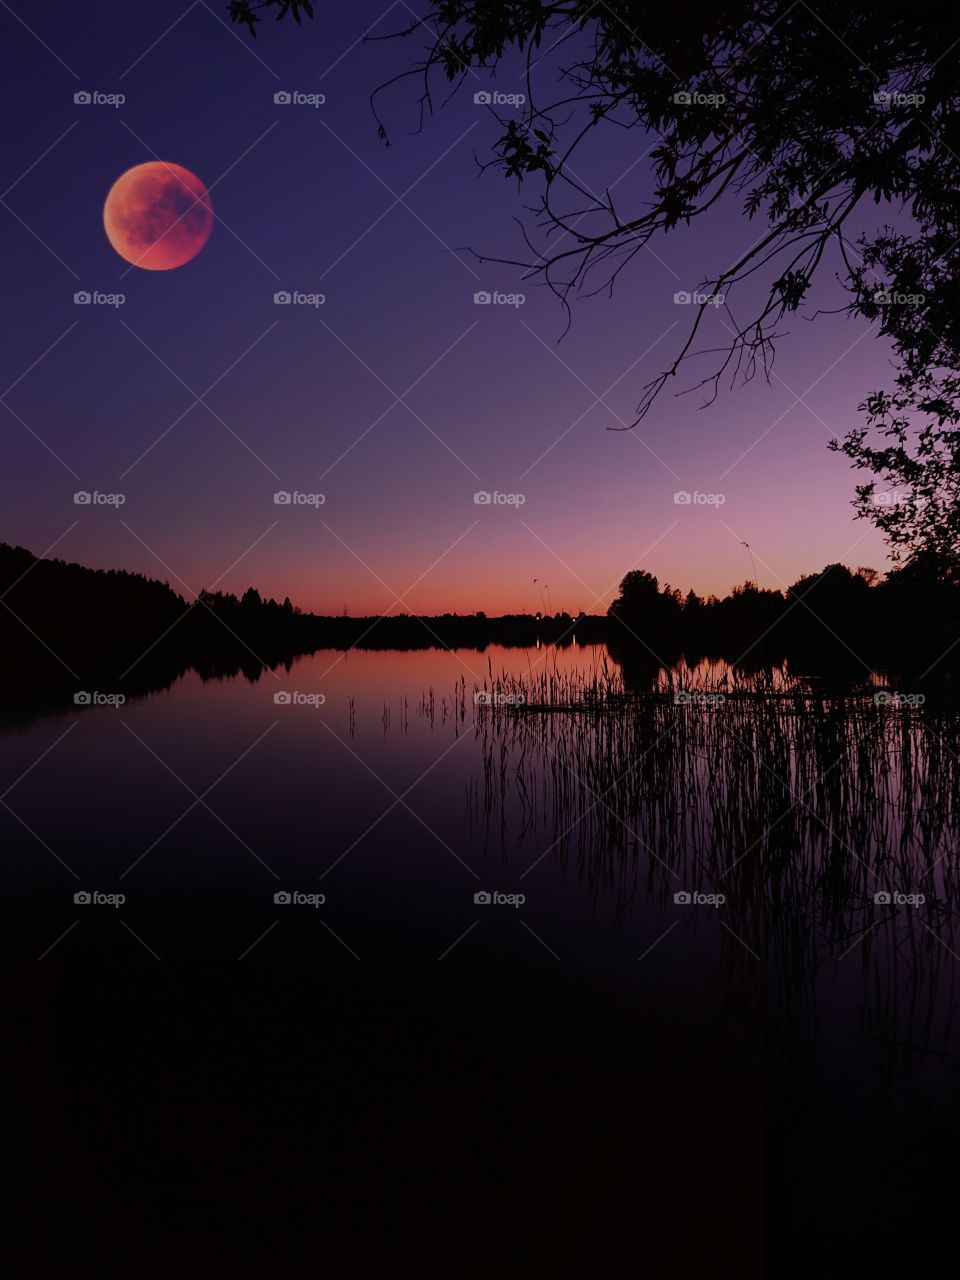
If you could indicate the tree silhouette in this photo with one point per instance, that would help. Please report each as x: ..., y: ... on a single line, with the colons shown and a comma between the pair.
x: 807, y: 115
x: 644, y: 608
x: 917, y: 501
x: 245, y: 11
x: 64, y: 627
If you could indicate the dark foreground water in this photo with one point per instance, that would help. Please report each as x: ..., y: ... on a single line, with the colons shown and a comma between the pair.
x: 432, y: 988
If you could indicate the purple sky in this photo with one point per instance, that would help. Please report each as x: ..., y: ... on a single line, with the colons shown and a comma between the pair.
x: 305, y: 398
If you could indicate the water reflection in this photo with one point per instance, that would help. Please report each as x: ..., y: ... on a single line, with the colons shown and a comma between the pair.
x: 727, y: 847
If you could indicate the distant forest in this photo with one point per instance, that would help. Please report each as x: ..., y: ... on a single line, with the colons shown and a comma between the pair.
x: 65, y: 628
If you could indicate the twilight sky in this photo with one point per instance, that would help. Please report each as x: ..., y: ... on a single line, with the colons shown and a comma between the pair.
x: 398, y: 398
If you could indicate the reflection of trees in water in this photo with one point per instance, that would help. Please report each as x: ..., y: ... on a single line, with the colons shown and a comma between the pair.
x: 800, y: 801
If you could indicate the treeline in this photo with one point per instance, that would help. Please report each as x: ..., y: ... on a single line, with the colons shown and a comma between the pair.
x: 65, y: 628
x: 908, y: 618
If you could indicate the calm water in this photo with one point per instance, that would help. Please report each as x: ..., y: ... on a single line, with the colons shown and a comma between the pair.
x: 796, y: 1016
x: 200, y: 803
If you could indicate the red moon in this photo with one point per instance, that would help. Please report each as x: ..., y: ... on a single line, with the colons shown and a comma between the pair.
x: 158, y: 215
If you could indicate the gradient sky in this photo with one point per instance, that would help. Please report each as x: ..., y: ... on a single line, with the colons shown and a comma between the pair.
x: 306, y: 398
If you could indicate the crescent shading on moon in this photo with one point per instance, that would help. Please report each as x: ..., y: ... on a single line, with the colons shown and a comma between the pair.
x: 158, y: 215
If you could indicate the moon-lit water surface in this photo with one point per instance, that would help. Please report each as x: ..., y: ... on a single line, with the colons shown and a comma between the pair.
x: 158, y: 215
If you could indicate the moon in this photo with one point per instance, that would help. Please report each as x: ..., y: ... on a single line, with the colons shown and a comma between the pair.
x: 158, y: 215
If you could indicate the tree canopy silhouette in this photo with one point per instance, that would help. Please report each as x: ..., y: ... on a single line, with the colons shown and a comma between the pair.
x: 808, y: 115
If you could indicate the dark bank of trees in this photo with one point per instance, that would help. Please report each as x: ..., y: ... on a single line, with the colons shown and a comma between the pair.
x: 910, y: 619
x: 65, y: 628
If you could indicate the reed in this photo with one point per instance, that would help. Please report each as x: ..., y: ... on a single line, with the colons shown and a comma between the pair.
x: 788, y: 798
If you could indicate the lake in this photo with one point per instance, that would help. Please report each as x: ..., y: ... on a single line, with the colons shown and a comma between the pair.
x: 696, y: 925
